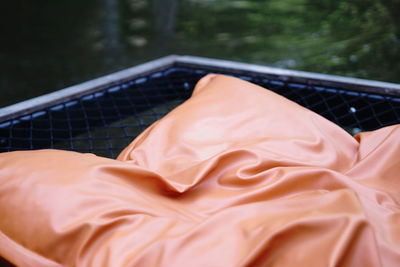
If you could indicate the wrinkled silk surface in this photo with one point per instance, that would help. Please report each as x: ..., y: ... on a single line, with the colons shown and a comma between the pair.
x: 235, y: 176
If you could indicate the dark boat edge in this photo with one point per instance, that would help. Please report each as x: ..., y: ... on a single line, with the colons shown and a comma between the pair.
x: 75, y: 91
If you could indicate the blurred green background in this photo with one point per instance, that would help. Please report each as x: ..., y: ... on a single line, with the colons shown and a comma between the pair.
x: 47, y: 45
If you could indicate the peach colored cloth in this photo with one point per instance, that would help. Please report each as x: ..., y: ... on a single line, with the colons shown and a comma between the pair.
x: 235, y: 176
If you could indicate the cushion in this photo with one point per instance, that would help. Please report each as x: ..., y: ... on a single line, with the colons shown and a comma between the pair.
x: 235, y: 176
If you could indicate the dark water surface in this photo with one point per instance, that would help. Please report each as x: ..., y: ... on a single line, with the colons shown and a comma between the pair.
x: 47, y: 45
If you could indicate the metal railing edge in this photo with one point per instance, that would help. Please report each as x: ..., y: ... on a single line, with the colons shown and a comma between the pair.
x: 91, y: 86
x: 357, y: 84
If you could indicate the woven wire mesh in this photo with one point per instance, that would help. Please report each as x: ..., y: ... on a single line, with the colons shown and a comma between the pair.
x: 105, y: 122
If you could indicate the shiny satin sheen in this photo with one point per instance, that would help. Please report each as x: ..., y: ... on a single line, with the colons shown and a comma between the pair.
x: 235, y: 176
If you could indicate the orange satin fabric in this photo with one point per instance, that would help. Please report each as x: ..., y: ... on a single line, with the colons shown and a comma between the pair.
x: 235, y: 176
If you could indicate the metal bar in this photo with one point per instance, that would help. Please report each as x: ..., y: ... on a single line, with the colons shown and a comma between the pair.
x: 292, y: 75
x: 64, y: 95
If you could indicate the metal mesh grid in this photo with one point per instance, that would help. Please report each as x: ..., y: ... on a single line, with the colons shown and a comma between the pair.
x: 105, y: 122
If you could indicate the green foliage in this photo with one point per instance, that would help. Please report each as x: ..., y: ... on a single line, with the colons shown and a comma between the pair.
x: 353, y: 38
x: 48, y: 45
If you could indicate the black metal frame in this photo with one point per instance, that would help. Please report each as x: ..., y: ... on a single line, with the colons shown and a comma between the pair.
x: 103, y: 115
x: 216, y: 65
